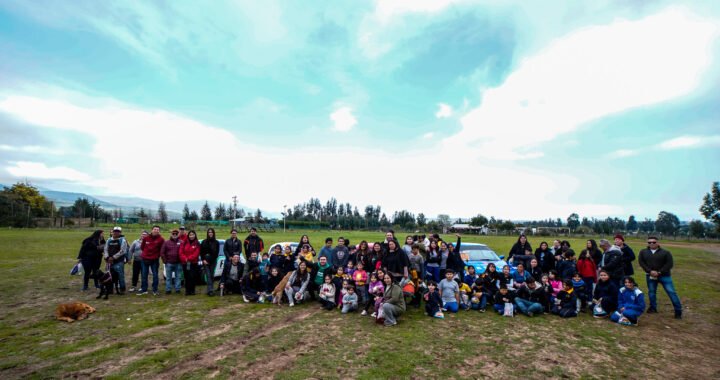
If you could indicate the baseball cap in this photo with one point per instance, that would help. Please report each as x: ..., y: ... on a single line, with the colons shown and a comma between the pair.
x: 117, y: 228
x: 182, y: 227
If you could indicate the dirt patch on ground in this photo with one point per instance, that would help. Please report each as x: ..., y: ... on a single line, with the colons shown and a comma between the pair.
x: 107, y: 368
x: 710, y: 248
x: 208, y: 358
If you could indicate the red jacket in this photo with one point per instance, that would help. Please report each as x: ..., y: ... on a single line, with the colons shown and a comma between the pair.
x: 587, y: 268
x: 190, y: 252
x: 151, y: 247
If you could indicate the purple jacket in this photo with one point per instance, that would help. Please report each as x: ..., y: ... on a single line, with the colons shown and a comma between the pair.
x: 170, y: 251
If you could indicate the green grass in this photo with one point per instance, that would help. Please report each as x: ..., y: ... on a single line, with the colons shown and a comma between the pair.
x: 197, y: 337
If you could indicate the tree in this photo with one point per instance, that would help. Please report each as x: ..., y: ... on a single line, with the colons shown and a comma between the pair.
x: 667, y: 223
x: 205, y: 213
x: 220, y: 212
x: 142, y: 213
x: 697, y: 229
x: 573, y: 221
x: 162, y: 213
x: 443, y: 220
x: 194, y: 215
x: 646, y: 225
x: 479, y: 220
x: 259, y: 217
x: 384, y: 221
x: 186, y: 212
x: 632, y: 224
x: 421, y: 221
x: 506, y: 226
x: 710, y: 208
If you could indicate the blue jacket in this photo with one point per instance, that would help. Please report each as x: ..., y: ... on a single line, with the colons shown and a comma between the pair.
x: 327, y: 252
x: 631, y: 299
x: 520, y: 278
x: 566, y: 268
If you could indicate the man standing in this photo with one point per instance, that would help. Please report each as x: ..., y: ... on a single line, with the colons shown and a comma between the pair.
x: 253, y: 243
x: 628, y: 256
x: 233, y: 246
x: 340, y: 255
x: 612, y: 262
x: 657, y: 263
x: 135, y: 253
x: 150, y: 256
x: 170, y: 253
x: 182, y: 235
x: 116, y: 250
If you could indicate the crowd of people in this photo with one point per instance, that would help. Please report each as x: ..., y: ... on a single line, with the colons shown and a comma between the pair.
x: 384, y: 278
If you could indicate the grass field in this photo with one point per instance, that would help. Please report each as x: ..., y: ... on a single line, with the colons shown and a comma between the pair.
x: 198, y: 337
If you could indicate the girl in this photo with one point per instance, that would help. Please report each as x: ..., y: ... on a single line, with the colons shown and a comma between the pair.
x: 407, y: 248
x: 545, y: 258
x: 377, y: 255
x: 592, y: 251
x: 360, y: 278
x: 343, y: 291
x: 555, y: 283
x: 545, y: 282
x: 444, y: 254
x: 588, y: 272
x: 566, y: 301
x: 90, y: 256
x: 189, y: 255
x: 631, y: 304
x: 276, y: 258
x: 506, y: 278
x: 535, y: 270
x: 490, y: 280
x: 605, y: 296
x: 252, y: 286
x: 376, y: 290
x: 433, y: 261
x: 273, y: 281
x: 306, y: 254
x: 566, y: 268
x: 327, y: 293
x: 338, y: 282
x: 520, y: 277
x: 433, y: 302
x: 297, y: 284
x: 288, y: 261
x: 304, y: 240
x: 363, y: 255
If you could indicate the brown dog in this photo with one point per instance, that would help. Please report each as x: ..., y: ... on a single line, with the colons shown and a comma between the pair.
x: 279, y: 290
x: 74, y: 311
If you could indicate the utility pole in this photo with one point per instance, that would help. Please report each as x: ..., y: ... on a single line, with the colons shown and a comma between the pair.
x: 234, y: 209
x: 284, y: 213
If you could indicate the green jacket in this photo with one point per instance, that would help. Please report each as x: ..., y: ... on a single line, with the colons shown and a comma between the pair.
x: 394, y: 296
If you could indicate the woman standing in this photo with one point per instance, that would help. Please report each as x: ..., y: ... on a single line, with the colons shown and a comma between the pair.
x: 522, y: 249
x: 545, y: 258
x: 189, y: 257
x: 364, y: 256
x: 209, y: 249
x: 304, y: 240
x: 592, y: 250
x: 433, y: 261
x: 90, y: 256
x: 396, y: 261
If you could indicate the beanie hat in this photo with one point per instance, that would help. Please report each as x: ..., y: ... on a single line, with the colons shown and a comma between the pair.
x: 618, y: 236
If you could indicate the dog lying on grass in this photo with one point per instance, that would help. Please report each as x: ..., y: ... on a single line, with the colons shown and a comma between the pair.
x: 279, y: 290
x: 74, y: 311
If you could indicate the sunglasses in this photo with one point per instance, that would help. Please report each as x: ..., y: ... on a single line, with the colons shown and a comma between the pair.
x: 652, y: 242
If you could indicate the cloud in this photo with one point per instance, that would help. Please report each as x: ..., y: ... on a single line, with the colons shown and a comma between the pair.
x: 428, y: 136
x: 343, y: 119
x: 690, y: 142
x: 622, y: 153
x: 586, y: 75
x: 38, y: 170
x: 444, y: 111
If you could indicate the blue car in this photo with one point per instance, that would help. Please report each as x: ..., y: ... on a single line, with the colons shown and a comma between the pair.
x: 480, y: 255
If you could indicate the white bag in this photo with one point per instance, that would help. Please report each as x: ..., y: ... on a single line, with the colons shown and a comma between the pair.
x: 508, y: 312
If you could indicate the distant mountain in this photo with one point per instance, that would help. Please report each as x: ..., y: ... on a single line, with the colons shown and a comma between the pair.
x: 62, y: 198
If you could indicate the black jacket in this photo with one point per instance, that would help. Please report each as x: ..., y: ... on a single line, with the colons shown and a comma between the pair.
x: 546, y: 260
x: 253, y: 244
x: 535, y: 295
x: 232, y: 247
x: 209, y: 250
x: 661, y: 261
x: 613, y: 264
x: 518, y: 249
x: 396, y: 261
x: 628, y: 256
x: 454, y: 260
x: 607, y: 290
x: 566, y: 269
x: 226, y: 272
x: 91, y: 249
x: 498, y: 300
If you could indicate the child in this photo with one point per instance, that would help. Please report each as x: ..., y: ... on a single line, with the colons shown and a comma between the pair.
x: 376, y: 289
x: 555, y: 283
x: 433, y: 302
x: 503, y: 297
x: 566, y: 268
x: 548, y: 289
x: 465, y: 292
x: 479, y: 298
x: 272, y: 282
x: 327, y: 293
x: 535, y: 270
x: 470, y: 277
x: 264, y: 269
x: 450, y: 292
x: 276, y: 259
x: 579, y: 289
x: 349, y: 270
x: 588, y: 272
x: 417, y: 263
x: 506, y: 278
x: 604, y: 296
x: 350, y: 300
x: 343, y: 291
x: 338, y: 282
x: 566, y: 301
x: 631, y: 304
x: 288, y: 262
x: 360, y: 277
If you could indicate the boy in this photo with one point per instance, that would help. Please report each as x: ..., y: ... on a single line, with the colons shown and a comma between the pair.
x: 326, y: 251
x: 433, y: 302
x: 450, y: 292
x: 264, y: 269
x: 579, y: 289
x: 566, y: 301
x: 502, y: 297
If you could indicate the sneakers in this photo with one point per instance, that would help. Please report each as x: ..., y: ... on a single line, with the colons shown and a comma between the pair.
x: 291, y: 304
x: 156, y: 293
x: 364, y: 312
x: 141, y: 293
x: 374, y: 315
x: 530, y: 314
x: 651, y: 310
x: 439, y: 315
x: 678, y: 314
x: 247, y: 300
x: 626, y: 322
x: 132, y: 290
x: 482, y: 310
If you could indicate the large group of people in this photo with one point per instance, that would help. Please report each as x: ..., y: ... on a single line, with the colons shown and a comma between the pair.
x: 383, y: 278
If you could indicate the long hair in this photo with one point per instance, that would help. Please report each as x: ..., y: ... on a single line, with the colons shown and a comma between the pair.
x: 208, y: 233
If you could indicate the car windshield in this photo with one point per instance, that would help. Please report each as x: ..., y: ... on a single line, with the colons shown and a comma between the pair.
x: 479, y: 254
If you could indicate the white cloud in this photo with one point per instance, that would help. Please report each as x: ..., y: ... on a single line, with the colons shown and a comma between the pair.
x: 444, y: 111
x: 428, y: 136
x: 586, y: 75
x: 621, y: 153
x: 343, y: 119
x: 688, y: 142
x: 38, y: 170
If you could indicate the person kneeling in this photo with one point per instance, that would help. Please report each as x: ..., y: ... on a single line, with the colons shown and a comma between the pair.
x: 433, y: 302
x: 252, y: 286
x: 504, y: 301
x: 631, y: 303
x: 566, y: 301
x: 450, y: 292
x: 531, y: 298
x: 230, y: 279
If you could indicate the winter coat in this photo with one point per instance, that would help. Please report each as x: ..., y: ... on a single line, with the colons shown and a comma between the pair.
x: 394, y: 294
x: 209, y: 250
x: 536, y: 295
x: 587, y: 268
x: 151, y: 246
x: 545, y: 259
x: 628, y: 256
x: 660, y: 261
x: 566, y: 269
x: 232, y: 247
x: 253, y: 244
x: 612, y: 263
x: 519, y: 249
x: 190, y: 252
x: 170, y: 251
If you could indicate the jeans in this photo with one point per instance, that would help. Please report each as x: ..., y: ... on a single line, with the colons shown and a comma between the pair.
x: 136, y: 269
x: 435, y: 272
x: 149, y: 265
x: 451, y: 307
x: 481, y: 304
x: 348, y: 307
x: 589, y: 284
x: 390, y: 313
x: 210, y: 274
x: 120, y: 269
x: 526, y: 306
x: 171, y: 269
x: 632, y: 315
x: 667, y: 284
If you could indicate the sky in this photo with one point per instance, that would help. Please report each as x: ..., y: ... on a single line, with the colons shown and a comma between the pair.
x: 514, y: 109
